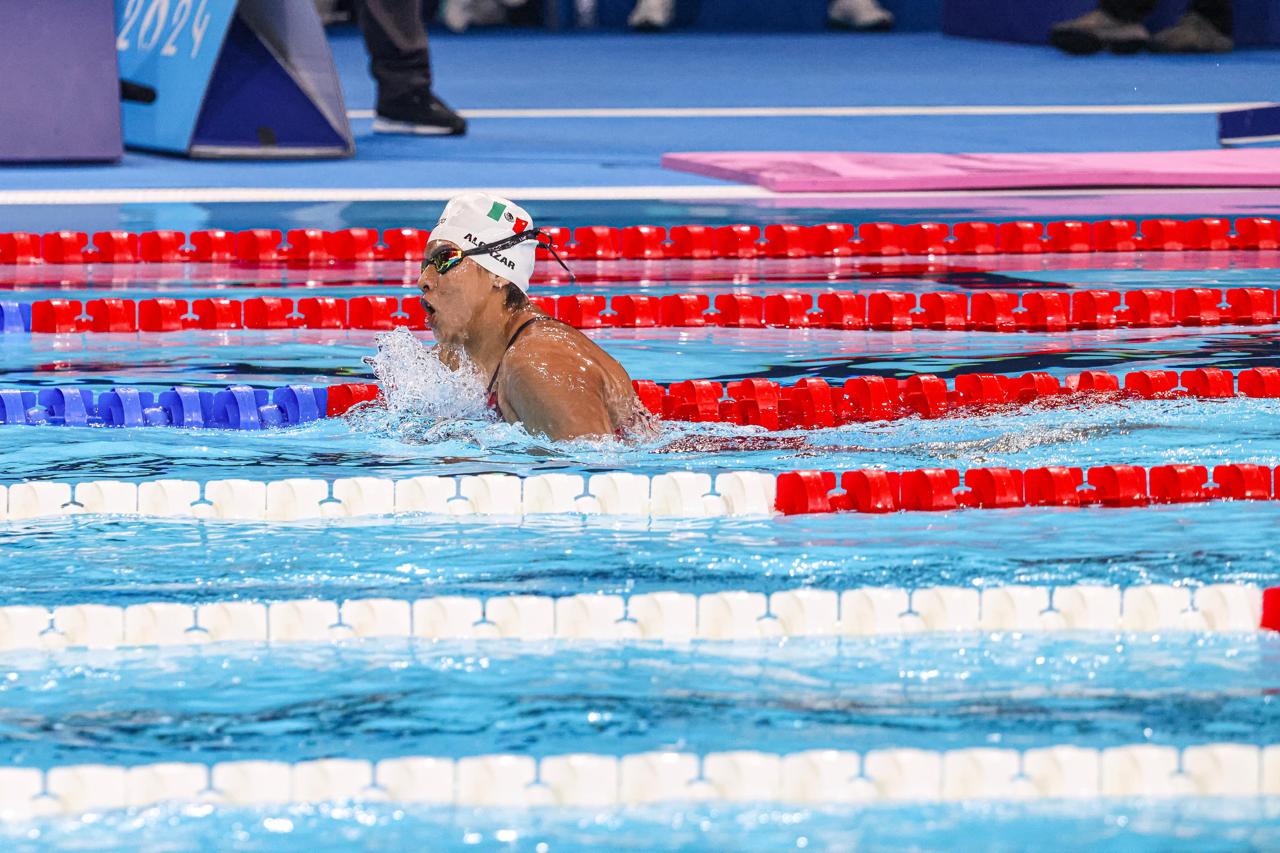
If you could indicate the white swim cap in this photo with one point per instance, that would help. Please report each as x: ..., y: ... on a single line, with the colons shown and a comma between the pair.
x: 473, y: 219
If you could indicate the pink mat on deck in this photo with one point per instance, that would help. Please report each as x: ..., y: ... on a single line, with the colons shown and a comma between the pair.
x: 850, y: 171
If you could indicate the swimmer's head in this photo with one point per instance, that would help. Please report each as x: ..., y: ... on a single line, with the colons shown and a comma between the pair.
x: 464, y: 294
x: 475, y: 219
x: 463, y: 281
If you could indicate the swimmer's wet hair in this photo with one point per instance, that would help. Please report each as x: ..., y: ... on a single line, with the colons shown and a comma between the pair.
x: 515, y: 298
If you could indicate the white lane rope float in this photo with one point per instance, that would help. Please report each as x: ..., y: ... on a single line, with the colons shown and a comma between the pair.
x: 662, y: 616
x: 680, y: 494
x: 813, y: 777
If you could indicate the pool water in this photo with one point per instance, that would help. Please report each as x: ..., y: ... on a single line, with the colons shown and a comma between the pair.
x: 1148, y: 826
x: 379, y: 699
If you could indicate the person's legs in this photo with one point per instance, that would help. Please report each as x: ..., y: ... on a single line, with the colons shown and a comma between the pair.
x: 1116, y: 25
x: 1206, y: 28
x: 1129, y: 11
x: 1217, y: 12
x: 396, y: 38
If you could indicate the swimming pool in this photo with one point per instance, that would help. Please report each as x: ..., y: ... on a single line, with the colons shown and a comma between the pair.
x: 380, y: 699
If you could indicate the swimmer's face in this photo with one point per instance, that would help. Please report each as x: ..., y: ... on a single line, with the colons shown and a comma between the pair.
x: 451, y: 299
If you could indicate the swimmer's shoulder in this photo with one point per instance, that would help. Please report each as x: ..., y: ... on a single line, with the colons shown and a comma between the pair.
x: 549, y: 338
x: 555, y: 346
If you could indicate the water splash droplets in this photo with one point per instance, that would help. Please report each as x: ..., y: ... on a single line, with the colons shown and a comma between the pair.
x: 426, y: 402
x: 418, y: 385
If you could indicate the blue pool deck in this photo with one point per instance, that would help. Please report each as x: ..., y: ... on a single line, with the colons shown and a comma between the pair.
x: 506, y: 701
x: 576, y: 168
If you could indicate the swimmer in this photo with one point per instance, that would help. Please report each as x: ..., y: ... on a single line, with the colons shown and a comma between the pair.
x: 541, y: 373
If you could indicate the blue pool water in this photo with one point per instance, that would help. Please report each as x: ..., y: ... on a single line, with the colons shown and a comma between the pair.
x: 381, y: 699
x: 1139, y: 826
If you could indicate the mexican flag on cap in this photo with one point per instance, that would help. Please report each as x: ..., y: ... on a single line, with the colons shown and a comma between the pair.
x: 473, y: 219
x: 496, y: 214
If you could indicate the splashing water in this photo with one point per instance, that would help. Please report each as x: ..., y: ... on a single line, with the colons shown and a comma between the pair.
x: 425, y: 401
x: 418, y: 385
x: 428, y: 403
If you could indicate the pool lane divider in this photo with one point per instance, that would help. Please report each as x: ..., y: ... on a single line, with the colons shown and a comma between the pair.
x: 664, y: 616
x: 586, y: 780
x: 238, y: 407
x: 675, y: 494
x: 314, y: 247
x: 810, y: 403
x: 943, y: 489
x: 879, y: 310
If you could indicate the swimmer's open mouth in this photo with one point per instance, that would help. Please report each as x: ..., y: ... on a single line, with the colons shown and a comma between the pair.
x: 426, y: 306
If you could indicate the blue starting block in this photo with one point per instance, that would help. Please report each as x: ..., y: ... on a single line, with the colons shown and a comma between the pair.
x: 229, y: 78
x: 1256, y: 126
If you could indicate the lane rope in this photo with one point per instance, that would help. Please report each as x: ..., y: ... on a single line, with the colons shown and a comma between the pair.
x: 820, y: 776
x: 811, y: 403
x: 876, y: 310
x: 316, y: 247
x: 667, y: 616
x: 675, y: 494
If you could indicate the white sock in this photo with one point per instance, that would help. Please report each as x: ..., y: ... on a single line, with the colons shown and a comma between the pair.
x: 652, y: 13
x: 859, y: 13
x: 457, y: 15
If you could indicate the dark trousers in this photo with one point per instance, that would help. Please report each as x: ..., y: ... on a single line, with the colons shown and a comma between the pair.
x: 1217, y: 11
x: 396, y: 37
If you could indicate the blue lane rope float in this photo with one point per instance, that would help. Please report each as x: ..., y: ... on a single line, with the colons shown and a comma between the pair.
x: 238, y: 407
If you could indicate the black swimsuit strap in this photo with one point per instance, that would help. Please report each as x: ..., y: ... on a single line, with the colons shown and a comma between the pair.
x: 526, y: 324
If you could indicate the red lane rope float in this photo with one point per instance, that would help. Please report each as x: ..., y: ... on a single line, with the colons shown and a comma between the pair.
x: 941, y: 489
x: 878, y: 310
x: 308, y: 246
x: 313, y: 247
x: 812, y: 403
x: 753, y: 276
x: 883, y: 310
x: 263, y: 312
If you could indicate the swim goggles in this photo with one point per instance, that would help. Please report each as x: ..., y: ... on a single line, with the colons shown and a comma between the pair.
x: 446, y: 258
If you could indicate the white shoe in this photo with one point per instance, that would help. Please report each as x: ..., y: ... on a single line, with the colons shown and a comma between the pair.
x: 458, y: 15
x: 859, y: 15
x: 652, y: 14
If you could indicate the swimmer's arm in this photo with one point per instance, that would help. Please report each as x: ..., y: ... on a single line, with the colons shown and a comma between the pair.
x: 550, y: 406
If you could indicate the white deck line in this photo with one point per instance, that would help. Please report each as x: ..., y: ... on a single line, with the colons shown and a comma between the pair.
x: 1250, y: 140
x: 903, y: 111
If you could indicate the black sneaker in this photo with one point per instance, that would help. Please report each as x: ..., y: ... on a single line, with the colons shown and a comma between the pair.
x: 1097, y: 31
x: 420, y: 113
